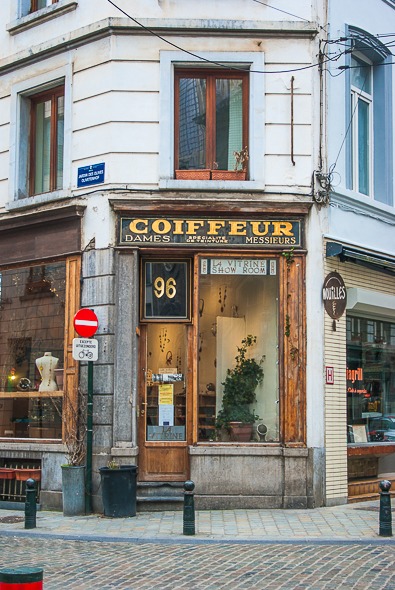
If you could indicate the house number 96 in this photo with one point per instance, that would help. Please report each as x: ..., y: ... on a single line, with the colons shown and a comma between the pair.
x: 161, y: 287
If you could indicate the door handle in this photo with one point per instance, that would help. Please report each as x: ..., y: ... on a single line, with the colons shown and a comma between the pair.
x: 142, y: 410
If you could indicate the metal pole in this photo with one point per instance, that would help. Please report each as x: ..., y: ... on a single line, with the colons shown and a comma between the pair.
x: 30, y: 504
x: 89, y: 437
x: 189, y: 509
x: 385, y: 524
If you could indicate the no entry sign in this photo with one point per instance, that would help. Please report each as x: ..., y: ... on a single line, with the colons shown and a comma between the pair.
x: 86, y: 322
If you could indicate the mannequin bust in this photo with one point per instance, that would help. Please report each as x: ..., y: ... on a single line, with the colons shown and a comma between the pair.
x: 47, y: 365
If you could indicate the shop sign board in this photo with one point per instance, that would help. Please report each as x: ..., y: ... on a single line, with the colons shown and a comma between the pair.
x: 85, y: 349
x: 210, y: 231
x: 86, y: 322
x: 235, y: 266
x: 334, y: 295
x: 88, y: 175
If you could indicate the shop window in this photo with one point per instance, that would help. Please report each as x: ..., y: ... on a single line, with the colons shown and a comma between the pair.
x: 238, y: 342
x: 211, y: 124
x: 32, y: 326
x: 370, y: 380
x: 211, y: 120
x: 46, y: 141
x: 369, y: 117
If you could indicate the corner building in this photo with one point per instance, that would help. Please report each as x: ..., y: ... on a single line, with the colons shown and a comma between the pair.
x: 156, y: 166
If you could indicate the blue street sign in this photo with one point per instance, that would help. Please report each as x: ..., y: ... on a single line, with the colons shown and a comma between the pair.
x: 88, y: 175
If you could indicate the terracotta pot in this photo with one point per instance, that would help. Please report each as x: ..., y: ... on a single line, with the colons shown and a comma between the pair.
x: 200, y: 174
x: 24, y: 474
x: 7, y: 473
x: 239, y: 431
x: 228, y: 175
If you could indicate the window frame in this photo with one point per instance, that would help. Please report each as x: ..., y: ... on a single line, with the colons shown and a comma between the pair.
x: 52, y: 95
x: 34, y: 7
x: 251, y: 61
x: 211, y: 76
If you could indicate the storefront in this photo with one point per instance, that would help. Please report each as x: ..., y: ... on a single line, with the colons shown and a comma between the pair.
x: 39, y: 295
x: 361, y: 350
x: 219, y: 297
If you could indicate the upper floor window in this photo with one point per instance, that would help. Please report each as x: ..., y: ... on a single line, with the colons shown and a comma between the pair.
x: 211, y: 124
x: 361, y: 113
x: 369, y: 117
x: 46, y: 141
x: 29, y: 6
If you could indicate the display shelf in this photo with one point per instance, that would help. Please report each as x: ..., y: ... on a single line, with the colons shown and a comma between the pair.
x: 29, y: 394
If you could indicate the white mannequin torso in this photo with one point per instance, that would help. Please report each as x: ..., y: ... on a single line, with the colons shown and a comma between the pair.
x: 47, y: 365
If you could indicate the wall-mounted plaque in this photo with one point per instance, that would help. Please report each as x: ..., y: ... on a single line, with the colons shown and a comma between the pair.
x: 166, y: 290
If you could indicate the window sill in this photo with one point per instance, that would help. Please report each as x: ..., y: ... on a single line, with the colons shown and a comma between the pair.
x: 37, y: 200
x: 211, y: 185
x: 41, y: 16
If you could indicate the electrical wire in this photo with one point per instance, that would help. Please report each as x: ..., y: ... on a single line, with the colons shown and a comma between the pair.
x: 280, y: 10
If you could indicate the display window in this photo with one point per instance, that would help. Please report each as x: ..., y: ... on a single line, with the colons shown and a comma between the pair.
x: 370, y: 380
x: 34, y: 371
x: 238, y: 389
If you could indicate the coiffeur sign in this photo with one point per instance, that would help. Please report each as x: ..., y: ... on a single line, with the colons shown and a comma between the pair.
x: 210, y: 231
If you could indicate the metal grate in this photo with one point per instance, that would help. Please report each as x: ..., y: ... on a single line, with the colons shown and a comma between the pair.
x: 13, y: 490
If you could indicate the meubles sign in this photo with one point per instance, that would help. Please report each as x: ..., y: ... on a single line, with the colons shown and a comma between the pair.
x: 191, y: 231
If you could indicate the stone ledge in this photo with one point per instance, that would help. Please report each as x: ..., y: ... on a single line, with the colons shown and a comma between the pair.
x: 247, y: 450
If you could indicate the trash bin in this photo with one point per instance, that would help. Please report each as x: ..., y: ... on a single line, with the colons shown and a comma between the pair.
x: 119, y: 489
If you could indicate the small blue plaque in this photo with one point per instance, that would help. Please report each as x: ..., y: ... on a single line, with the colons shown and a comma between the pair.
x: 88, y: 175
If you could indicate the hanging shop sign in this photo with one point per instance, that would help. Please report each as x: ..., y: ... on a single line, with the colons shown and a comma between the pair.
x: 148, y: 231
x: 334, y: 295
x: 166, y: 293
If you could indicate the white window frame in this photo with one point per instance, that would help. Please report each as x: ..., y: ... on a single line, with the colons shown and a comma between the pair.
x: 169, y: 60
x: 19, y: 133
x: 21, y: 20
x: 357, y: 95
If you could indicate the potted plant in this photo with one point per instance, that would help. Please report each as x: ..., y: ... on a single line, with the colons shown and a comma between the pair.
x: 118, y: 486
x: 240, y: 169
x: 73, y: 471
x: 240, y: 386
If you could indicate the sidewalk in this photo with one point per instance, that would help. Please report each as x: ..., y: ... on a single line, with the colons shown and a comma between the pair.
x: 347, y: 523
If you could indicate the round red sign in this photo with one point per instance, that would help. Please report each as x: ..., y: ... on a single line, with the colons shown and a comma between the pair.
x: 86, y: 322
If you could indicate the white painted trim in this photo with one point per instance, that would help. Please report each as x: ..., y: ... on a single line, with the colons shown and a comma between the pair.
x: 371, y: 302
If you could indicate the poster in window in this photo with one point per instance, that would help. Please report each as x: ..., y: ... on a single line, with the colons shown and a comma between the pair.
x: 166, y: 290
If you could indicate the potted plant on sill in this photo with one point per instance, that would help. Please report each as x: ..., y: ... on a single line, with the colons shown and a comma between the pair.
x: 240, y: 385
x: 240, y: 169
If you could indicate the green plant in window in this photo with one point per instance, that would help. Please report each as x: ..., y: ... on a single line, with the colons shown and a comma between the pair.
x: 240, y: 386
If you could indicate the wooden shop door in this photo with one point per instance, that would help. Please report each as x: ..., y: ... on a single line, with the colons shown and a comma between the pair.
x: 165, y: 408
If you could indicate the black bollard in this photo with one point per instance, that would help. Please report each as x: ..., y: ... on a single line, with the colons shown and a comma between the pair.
x: 189, y: 508
x: 385, y: 529
x: 30, y: 504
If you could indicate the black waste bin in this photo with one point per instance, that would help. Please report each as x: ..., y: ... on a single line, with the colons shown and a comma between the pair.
x: 119, y: 489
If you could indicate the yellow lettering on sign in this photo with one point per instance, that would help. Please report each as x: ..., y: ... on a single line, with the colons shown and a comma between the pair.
x: 214, y: 226
x: 193, y: 226
x: 161, y: 226
x: 237, y: 228
x: 257, y: 225
x: 178, y: 223
x: 282, y: 228
x: 139, y: 226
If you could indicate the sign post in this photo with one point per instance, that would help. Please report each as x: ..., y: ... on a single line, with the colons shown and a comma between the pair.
x: 86, y: 324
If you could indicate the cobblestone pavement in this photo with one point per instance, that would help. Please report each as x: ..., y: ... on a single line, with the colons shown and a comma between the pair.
x: 89, y: 565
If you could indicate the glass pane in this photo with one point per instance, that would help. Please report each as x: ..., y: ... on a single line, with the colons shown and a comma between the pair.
x: 370, y: 380
x: 229, y: 122
x: 31, y: 351
x: 60, y: 143
x: 361, y: 75
x: 363, y: 147
x: 166, y: 395
x: 238, y: 319
x: 192, y: 124
x: 42, y: 147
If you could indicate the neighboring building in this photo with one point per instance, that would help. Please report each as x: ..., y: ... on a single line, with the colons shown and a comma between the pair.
x: 360, y: 246
x: 117, y: 138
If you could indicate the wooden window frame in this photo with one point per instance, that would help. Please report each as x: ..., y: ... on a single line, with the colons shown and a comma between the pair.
x: 51, y: 95
x: 34, y: 5
x: 211, y: 76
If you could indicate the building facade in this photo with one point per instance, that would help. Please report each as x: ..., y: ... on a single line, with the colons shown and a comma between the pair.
x: 161, y: 168
x: 359, y: 248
